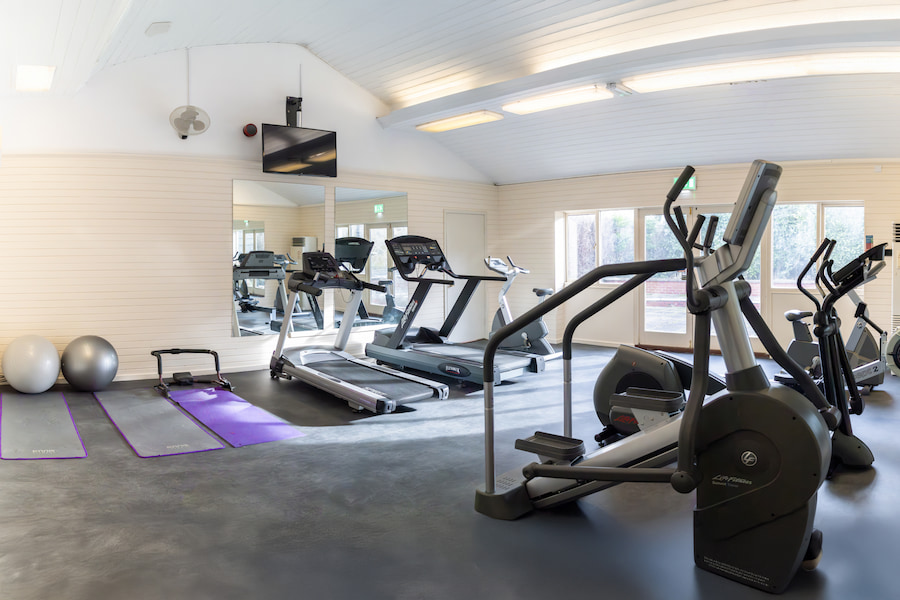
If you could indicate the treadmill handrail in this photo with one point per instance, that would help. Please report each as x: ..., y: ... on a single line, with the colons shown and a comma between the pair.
x: 426, y: 279
x: 578, y: 286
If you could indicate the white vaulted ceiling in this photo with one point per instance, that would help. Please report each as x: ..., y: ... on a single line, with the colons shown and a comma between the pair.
x: 427, y: 60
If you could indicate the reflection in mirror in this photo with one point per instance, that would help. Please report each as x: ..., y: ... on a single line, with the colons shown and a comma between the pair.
x: 376, y: 216
x: 274, y: 223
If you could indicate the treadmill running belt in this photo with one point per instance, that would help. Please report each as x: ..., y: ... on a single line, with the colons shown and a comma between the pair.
x: 394, y: 388
x: 475, y: 355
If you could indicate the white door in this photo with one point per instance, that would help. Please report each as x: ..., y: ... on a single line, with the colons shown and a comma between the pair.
x: 464, y: 247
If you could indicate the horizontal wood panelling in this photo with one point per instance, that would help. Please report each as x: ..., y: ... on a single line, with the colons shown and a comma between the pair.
x: 527, y: 213
x: 137, y: 249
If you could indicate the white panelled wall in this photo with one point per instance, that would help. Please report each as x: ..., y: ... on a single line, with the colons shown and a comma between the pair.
x: 528, y: 213
x: 137, y: 249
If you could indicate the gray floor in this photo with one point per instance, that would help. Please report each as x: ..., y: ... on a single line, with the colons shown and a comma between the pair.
x: 371, y: 507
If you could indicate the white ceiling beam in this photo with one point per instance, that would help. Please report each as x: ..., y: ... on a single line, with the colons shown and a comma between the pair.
x: 756, y: 44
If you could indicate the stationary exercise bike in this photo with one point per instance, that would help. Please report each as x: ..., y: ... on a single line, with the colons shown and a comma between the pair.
x: 391, y: 313
x: 533, y: 336
x: 756, y: 452
x: 867, y: 355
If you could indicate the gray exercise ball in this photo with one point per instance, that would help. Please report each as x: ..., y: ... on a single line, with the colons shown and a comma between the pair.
x: 89, y: 363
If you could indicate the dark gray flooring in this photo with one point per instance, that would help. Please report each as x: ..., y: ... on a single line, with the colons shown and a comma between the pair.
x: 370, y: 507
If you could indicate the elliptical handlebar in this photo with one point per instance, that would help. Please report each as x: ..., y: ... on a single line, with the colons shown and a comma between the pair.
x: 822, y: 247
x: 679, y: 230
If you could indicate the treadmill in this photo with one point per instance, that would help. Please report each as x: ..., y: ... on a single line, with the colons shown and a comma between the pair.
x: 362, y: 384
x: 257, y: 264
x: 352, y: 253
x: 428, y: 350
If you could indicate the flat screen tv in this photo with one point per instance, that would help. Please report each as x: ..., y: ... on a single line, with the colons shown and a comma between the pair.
x: 299, y: 151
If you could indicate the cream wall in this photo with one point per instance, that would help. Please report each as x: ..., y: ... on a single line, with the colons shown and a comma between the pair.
x: 137, y: 249
x: 131, y: 247
x: 362, y: 211
x: 531, y: 214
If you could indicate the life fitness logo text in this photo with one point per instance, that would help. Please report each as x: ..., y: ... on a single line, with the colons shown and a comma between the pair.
x: 730, y: 481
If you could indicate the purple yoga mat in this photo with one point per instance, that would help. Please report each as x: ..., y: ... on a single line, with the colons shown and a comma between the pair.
x: 232, y: 418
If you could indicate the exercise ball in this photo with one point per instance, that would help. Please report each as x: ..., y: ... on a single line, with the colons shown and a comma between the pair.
x: 30, y: 364
x: 89, y: 363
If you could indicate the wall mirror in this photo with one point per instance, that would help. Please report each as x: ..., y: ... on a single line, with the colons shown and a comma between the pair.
x: 376, y: 215
x: 286, y: 219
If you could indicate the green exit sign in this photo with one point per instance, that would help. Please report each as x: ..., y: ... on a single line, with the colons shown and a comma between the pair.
x: 379, y: 208
x: 691, y: 184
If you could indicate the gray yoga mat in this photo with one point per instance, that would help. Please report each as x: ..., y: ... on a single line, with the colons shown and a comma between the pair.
x: 34, y: 426
x: 152, y: 425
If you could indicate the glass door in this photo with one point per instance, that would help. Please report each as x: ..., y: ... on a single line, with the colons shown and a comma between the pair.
x: 380, y: 267
x: 663, y: 316
x: 665, y: 321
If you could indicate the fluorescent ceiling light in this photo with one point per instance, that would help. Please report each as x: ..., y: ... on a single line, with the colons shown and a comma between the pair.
x: 837, y: 63
x: 34, y: 78
x: 466, y: 120
x: 570, y: 97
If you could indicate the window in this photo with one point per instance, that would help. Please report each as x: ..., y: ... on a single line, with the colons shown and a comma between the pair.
x: 798, y: 229
x: 355, y: 230
x: 793, y: 242
x: 616, y: 237
x: 846, y: 224
x: 586, y: 249
x: 581, y: 244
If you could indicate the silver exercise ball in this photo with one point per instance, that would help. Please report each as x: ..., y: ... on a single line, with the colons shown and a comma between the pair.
x: 89, y: 363
x: 30, y: 364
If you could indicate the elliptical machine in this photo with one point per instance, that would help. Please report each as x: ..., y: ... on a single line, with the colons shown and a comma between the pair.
x: 532, y: 337
x: 756, y: 453
x: 838, y: 377
x: 867, y: 357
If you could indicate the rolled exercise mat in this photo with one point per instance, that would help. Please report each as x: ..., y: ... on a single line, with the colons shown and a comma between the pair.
x: 36, y: 426
x: 152, y: 425
x: 232, y: 418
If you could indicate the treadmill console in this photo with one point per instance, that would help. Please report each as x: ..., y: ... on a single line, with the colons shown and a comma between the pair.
x: 353, y: 252
x: 408, y: 251
x: 320, y: 263
x: 257, y: 259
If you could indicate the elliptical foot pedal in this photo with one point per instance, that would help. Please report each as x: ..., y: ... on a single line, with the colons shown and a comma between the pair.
x: 608, y: 436
x: 551, y: 446
x: 648, y: 399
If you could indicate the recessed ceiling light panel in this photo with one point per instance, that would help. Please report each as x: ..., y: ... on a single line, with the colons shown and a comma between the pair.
x: 34, y: 78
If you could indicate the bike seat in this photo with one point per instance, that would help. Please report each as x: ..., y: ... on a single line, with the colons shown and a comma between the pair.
x: 541, y: 292
x: 796, y: 315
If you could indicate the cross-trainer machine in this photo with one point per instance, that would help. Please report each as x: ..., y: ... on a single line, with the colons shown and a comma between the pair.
x: 866, y: 355
x: 362, y: 384
x: 756, y: 453
x: 837, y: 375
x: 532, y: 337
x: 429, y: 350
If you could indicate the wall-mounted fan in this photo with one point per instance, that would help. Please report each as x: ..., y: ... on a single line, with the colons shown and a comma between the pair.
x: 188, y: 119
